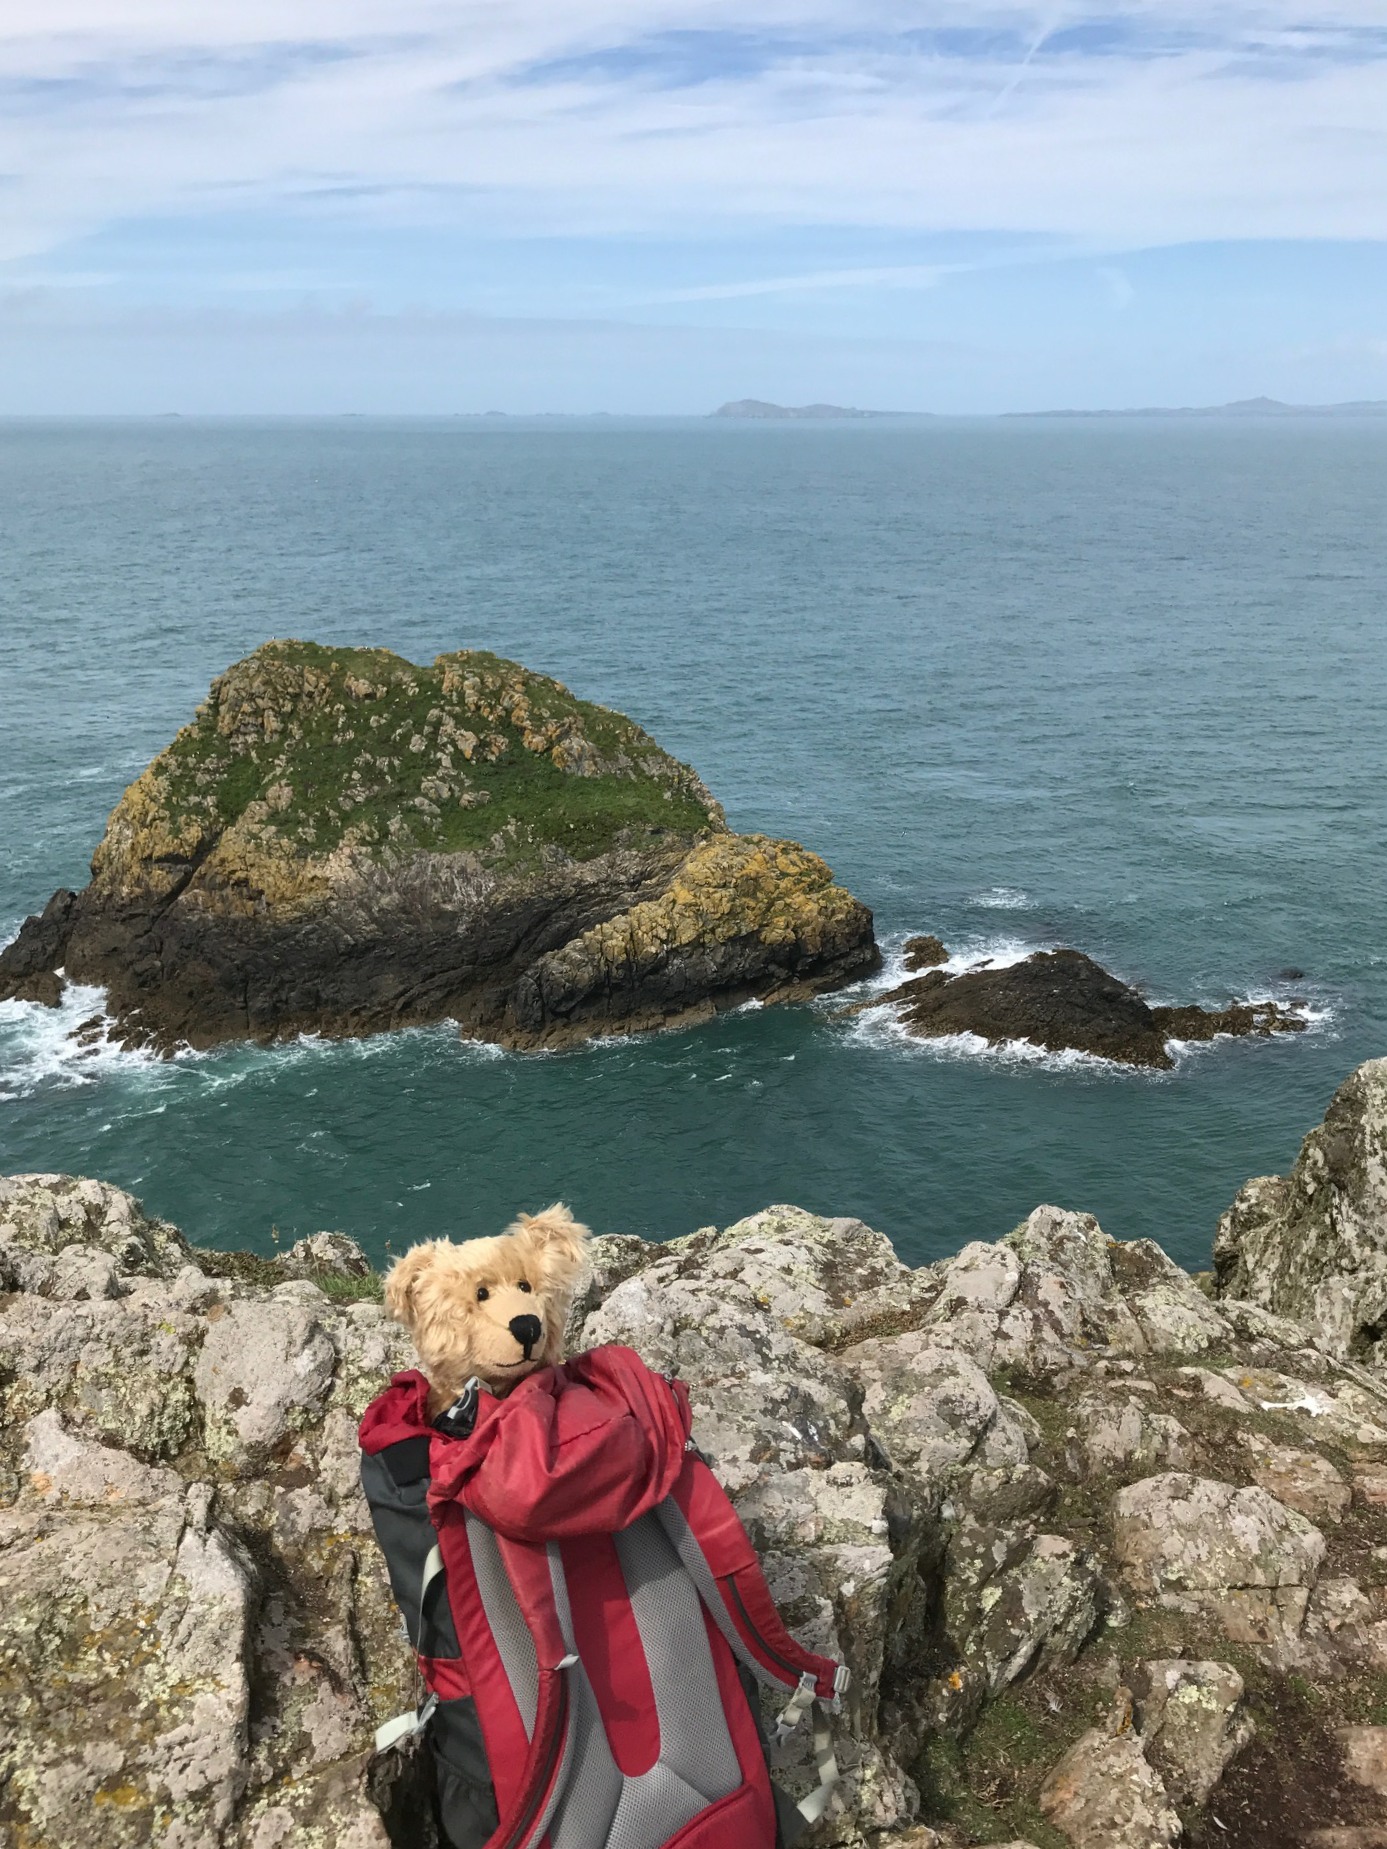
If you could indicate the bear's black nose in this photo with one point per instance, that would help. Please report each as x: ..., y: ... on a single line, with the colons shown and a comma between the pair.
x: 527, y: 1330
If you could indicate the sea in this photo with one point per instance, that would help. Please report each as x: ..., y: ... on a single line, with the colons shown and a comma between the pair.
x: 1114, y: 684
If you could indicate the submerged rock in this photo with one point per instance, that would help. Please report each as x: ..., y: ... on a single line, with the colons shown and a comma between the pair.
x: 1062, y: 1001
x: 1312, y: 1245
x: 343, y: 842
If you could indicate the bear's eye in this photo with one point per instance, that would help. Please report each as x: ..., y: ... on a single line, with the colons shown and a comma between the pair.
x: 522, y: 1285
x: 482, y: 1293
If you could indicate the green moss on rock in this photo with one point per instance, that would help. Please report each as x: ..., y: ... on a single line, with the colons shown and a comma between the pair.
x: 319, y: 747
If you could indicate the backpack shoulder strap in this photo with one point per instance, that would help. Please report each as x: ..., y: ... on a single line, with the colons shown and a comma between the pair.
x: 715, y: 1551
x: 739, y: 1602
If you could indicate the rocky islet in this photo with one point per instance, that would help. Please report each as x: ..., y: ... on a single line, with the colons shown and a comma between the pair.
x: 343, y: 842
x: 1060, y: 1001
x: 1103, y: 1544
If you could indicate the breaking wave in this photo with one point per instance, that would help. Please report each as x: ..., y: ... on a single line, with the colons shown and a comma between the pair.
x: 882, y: 1029
x: 63, y: 1046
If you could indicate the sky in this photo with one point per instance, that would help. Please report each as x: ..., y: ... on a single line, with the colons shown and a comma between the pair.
x: 651, y: 206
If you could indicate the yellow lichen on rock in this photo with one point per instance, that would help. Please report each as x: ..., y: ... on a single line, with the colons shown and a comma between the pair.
x: 740, y: 916
x: 143, y: 835
x: 250, y: 869
x: 731, y: 886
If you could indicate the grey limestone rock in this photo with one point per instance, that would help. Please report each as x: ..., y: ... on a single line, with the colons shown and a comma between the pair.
x: 124, y: 1681
x: 1105, y: 1794
x: 1192, y: 1723
x: 1058, y: 1292
x: 48, y: 1213
x: 1312, y: 1246
x: 1303, y: 1480
x: 326, y: 1254
x: 1238, y: 1554
x: 1365, y: 1756
x: 1127, y: 1435
x: 264, y: 1370
x: 197, y: 1636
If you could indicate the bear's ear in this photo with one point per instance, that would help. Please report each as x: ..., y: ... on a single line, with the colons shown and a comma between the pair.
x: 402, y: 1278
x: 558, y: 1240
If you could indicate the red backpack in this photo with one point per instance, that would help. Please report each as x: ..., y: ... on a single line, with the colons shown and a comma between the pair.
x: 588, y: 1615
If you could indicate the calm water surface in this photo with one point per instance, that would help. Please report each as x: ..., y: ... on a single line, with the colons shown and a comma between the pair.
x: 1119, y: 686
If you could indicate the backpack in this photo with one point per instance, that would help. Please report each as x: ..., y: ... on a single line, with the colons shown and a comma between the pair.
x: 589, y: 1617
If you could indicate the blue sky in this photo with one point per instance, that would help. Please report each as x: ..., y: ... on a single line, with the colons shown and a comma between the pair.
x: 458, y: 205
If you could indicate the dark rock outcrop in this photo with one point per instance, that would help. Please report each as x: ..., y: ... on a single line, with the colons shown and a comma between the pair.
x: 342, y: 842
x: 925, y: 953
x: 1061, y: 1000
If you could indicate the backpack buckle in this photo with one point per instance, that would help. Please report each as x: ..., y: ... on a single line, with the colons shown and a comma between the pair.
x: 457, y: 1420
x: 795, y: 1708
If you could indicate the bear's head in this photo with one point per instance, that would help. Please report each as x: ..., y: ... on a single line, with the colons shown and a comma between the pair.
x: 495, y: 1308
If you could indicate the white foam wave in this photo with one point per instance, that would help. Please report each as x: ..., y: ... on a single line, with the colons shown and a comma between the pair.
x: 1317, y: 1016
x: 974, y: 952
x: 1003, y: 899
x: 42, y: 1046
x: 71, y: 1045
x: 883, y: 1029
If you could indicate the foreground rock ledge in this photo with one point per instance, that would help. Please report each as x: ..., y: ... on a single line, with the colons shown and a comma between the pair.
x: 1105, y: 1556
x: 1061, y: 1001
x: 1313, y: 1244
x: 341, y: 842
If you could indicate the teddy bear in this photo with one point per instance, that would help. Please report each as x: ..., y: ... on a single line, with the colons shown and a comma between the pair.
x: 571, y: 1573
x: 493, y: 1308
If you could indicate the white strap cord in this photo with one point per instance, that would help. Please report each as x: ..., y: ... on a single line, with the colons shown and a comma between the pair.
x: 405, y: 1726
x: 414, y: 1720
x: 826, y: 1761
x: 795, y: 1709
x: 812, y: 1807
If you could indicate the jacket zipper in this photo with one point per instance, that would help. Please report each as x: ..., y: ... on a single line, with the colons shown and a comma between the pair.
x: 751, y: 1626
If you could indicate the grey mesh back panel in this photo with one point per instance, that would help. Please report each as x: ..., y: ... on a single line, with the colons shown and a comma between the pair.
x: 685, y: 1543
x: 698, y: 1762
x: 507, y: 1622
x: 653, y: 1807
x: 694, y: 1741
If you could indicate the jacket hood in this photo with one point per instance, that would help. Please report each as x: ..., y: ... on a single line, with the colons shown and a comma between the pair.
x: 584, y: 1448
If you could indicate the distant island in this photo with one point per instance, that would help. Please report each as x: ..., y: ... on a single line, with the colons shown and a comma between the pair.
x: 758, y: 408
x: 1242, y: 407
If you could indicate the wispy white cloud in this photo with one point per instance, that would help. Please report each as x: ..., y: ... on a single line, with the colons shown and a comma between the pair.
x: 890, y: 276
x: 1145, y: 121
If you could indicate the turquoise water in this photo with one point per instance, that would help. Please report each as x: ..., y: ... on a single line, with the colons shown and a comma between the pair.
x: 1119, y: 686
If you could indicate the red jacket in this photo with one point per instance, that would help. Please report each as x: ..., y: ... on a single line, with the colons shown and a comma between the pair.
x: 573, y: 1456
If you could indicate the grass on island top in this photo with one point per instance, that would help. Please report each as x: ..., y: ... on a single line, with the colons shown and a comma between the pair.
x: 333, y: 740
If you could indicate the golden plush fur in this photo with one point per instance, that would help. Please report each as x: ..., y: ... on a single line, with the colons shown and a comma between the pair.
x: 460, y: 1302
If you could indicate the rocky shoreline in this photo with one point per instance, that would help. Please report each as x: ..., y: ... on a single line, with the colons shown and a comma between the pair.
x: 341, y: 842
x: 1105, y: 1545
